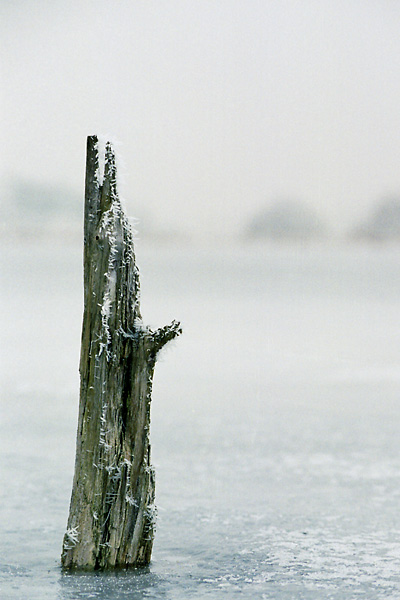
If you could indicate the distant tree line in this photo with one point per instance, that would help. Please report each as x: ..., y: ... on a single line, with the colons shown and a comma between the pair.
x: 294, y: 220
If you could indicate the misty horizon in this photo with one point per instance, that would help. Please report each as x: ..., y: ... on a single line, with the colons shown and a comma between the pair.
x: 220, y: 108
x: 41, y: 208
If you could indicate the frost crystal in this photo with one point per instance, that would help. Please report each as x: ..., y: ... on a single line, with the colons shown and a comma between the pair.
x: 71, y: 538
x: 131, y: 500
x: 151, y: 514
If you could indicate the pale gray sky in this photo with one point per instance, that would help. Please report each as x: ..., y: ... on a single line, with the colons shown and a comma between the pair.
x: 220, y: 106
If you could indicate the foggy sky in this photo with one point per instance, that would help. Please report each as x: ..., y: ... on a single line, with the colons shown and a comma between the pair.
x: 219, y: 106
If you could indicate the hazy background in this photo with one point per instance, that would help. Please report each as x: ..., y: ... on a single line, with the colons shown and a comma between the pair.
x: 220, y: 107
x: 275, y: 416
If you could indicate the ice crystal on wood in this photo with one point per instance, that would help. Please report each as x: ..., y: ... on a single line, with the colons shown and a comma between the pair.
x: 112, y: 503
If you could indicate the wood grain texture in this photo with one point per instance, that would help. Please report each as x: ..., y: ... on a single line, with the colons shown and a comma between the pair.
x: 112, y: 511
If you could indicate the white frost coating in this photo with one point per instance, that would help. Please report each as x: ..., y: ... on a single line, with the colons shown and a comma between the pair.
x: 101, y: 151
x: 151, y: 514
x: 108, y: 225
x: 113, y: 226
x: 140, y: 326
x: 103, y: 140
x: 99, y: 174
x: 120, y: 168
x: 114, y: 472
x: 106, y: 309
x: 131, y: 500
x: 103, y: 421
x: 110, y: 497
x: 71, y: 538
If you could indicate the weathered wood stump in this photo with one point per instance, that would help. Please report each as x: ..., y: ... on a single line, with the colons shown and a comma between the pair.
x: 112, y: 512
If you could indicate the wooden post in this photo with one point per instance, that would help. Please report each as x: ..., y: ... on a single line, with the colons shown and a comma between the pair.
x: 112, y: 512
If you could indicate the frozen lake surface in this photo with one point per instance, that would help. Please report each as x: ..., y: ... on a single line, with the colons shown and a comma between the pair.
x: 275, y: 423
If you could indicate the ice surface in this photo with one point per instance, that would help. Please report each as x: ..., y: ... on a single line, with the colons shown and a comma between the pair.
x: 275, y: 424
